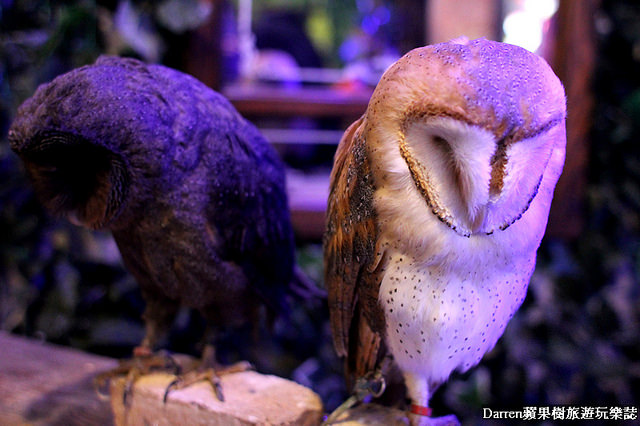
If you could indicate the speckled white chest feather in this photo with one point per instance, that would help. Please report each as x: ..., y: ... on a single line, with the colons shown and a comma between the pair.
x: 439, y: 321
x: 448, y: 297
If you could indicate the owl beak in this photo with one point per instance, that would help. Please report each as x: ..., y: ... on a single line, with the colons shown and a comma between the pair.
x: 72, y: 217
x: 478, y: 219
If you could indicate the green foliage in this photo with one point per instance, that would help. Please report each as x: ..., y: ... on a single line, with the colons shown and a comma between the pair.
x: 328, y: 22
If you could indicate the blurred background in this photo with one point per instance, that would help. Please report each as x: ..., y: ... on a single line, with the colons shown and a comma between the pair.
x: 303, y: 70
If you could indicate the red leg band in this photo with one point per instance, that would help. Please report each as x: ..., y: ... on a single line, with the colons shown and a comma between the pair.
x: 420, y: 410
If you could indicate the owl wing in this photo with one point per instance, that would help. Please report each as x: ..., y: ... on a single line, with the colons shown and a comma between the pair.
x: 352, y: 257
x: 249, y: 211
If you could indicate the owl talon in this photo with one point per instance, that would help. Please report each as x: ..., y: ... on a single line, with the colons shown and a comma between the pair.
x: 183, y: 381
x: 342, y: 408
x: 173, y: 383
x: 128, y: 387
x: 206, y: 373
x: 370, y: 385
x: 217, y: 388
x: 143, y: 362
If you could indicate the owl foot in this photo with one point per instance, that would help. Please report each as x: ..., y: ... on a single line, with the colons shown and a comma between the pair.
x: 208, y: 370
x: 143, y: 362
x: 212, y: 375
x: 370, y: 385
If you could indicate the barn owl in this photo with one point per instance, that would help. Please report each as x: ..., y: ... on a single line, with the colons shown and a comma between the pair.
x: 439, y: 199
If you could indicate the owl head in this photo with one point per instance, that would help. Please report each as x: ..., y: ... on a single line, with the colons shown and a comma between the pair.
x: 478, y: 126
x: 85, y: 136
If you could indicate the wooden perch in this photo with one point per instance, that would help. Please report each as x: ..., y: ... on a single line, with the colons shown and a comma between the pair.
x: 250, y: 399
x: 372, y: 415
x: 45, y: 384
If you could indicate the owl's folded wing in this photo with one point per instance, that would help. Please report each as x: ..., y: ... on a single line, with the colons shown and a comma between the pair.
x: 352, y: 258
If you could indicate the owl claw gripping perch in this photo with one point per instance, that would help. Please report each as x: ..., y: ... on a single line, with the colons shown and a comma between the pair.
x: 439, y: 199
x: 371, y: 385
x: 193, y: 194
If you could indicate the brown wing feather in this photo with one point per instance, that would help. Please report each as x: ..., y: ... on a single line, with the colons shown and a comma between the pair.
x: 352, y: 262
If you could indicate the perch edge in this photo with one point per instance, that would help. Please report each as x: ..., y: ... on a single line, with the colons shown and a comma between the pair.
x: 250, y: 399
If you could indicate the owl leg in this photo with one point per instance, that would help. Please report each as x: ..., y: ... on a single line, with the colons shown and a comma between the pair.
x: 419, y: 391
x: 208, y: 369
x: 156, y: 322
x: 157, y: 317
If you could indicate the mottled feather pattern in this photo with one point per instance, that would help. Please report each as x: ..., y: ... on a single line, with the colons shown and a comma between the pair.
x: 351, y: 240
x: 194, y: 195
x: 340, y: 268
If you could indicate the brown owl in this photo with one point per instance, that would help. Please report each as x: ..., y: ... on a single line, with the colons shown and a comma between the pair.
x: 193, y: 194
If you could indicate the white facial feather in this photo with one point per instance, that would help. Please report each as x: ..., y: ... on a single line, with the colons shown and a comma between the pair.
x: 456, y: 157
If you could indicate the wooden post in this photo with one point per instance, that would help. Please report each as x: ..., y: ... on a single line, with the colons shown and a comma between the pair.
x: 573, y: 59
